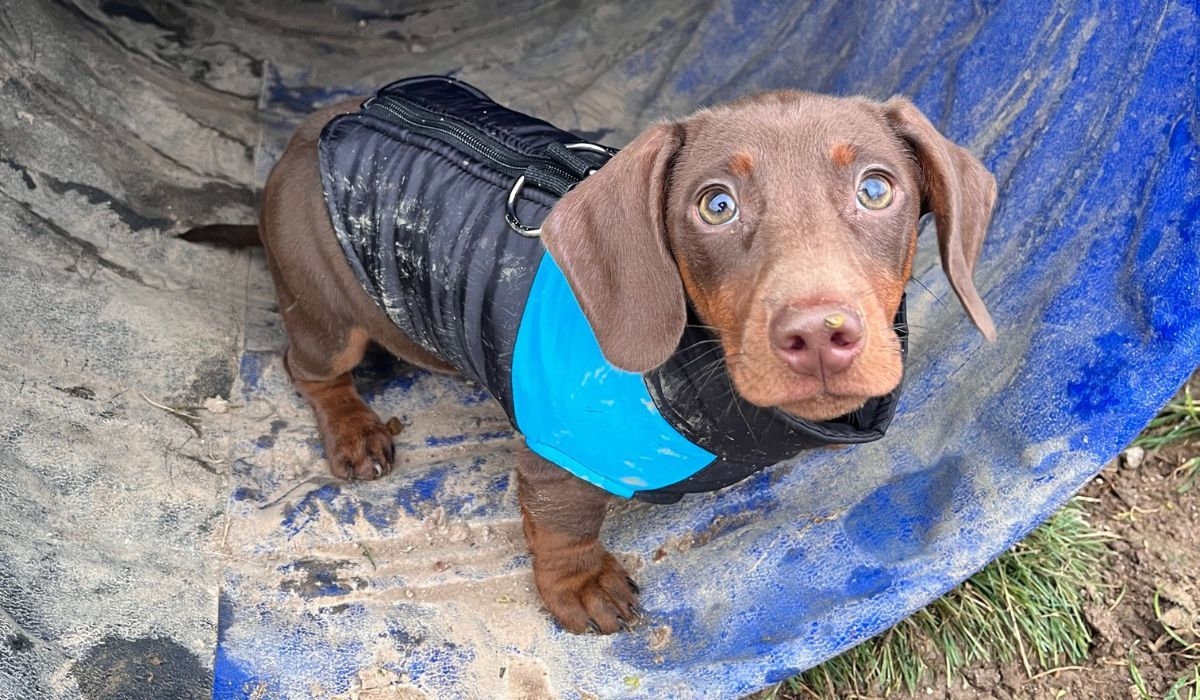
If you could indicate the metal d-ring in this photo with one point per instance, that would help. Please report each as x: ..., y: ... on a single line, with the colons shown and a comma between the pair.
x: 510, y: 212
x: 510, y: 205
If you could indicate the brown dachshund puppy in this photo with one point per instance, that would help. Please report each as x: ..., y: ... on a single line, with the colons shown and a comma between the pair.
x: 788, y: 221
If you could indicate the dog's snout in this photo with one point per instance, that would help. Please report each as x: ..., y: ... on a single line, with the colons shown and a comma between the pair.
x: 817, y: 341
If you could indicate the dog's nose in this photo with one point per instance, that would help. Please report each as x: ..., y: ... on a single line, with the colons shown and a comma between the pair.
x: 817, y: 341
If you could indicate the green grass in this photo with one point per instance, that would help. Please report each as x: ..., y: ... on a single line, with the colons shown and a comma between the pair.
x: 1178, y: 420
x: 1188, y: 648
x: 1187, y: 687
x: 1026, y: 605
x: 1135, y: 676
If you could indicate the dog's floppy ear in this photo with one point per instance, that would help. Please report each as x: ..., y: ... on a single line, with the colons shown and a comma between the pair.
x: 609, y: 237
x: 960, y: 192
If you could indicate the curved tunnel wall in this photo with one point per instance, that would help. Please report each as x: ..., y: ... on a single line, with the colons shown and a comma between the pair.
x: 213, y: 541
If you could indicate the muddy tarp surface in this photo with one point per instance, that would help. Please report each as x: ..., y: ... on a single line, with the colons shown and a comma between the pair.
x: 157, y: 545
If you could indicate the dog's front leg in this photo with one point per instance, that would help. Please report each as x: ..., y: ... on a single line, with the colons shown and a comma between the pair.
x: 582, y: 585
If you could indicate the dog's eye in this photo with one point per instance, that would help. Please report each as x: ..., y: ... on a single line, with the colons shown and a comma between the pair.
x: 717, y: 207
x: 874, y: 192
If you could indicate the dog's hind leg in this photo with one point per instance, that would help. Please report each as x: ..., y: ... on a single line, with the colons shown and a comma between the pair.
x: 328, y: 317
x: 319, y: 359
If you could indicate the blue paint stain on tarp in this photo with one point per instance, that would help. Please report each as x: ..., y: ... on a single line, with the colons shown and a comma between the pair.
x: 231, y: 681
x: 332, y: 499
x: 424, y: 488
x: 251, y: 370
x: 443, y: 440
x: 897, y: 520
x: 866, y: 581
x: 428, y: 491
x: 304, y: 99
x: 307, y: 508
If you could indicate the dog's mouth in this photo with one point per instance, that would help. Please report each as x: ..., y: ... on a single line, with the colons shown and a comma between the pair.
x: 764, y: 378
x: 817, y: 405
x: 824, y: 407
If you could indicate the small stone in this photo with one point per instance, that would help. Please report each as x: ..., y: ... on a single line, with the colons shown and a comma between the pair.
x: 435, y: 520
x: 1102, y: 620
x: 216, y: 404
x: 375, y: 679
x: 417, y: 47
x: 459, y: 532
x: 660, y: 637
x: 1132, y: 457
x: 1179, y: 595
x: 1176, y: 619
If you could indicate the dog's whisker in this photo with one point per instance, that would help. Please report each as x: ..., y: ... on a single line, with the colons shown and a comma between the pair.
x: 737, y: 401
x: 927, y: 289
x: 702, y: 356
x: 707, y: 374
x: 712, y: 370
x: 712, y: 345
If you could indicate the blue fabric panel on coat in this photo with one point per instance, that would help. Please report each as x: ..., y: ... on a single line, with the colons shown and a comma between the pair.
x: 579, y: 426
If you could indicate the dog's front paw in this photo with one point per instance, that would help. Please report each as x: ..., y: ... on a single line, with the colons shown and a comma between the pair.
x: 587, y: 590
x: 358, y: 445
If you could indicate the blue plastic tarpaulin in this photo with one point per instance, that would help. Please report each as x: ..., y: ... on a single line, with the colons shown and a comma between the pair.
x: 420, y: 583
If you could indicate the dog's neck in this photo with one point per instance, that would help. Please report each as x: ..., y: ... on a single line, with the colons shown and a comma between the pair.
x: 695, y: 393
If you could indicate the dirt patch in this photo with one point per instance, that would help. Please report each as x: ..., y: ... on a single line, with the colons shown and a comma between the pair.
x: 141, y: 668
x: 1156, y: 550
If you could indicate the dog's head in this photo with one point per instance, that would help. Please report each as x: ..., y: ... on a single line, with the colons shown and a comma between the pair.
x: 790, y: 222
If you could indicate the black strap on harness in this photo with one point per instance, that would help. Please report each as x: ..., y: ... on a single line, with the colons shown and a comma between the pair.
x: 563, y: 168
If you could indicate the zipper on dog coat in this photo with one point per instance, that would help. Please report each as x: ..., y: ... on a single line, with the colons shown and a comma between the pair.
x: 416, y: 184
